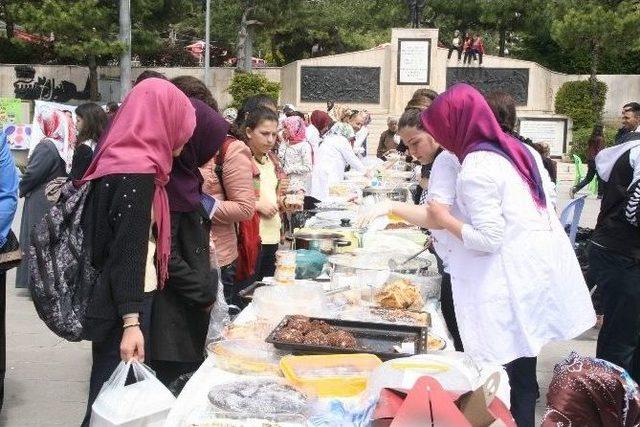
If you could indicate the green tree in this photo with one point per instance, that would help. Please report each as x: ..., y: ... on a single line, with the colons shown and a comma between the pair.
x: 84, y: 30
x: 245, y: 85
x: 593, y: 27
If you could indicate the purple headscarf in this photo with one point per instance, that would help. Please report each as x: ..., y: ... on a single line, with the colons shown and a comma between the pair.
x: 462, y: 122
x: 185, y: 182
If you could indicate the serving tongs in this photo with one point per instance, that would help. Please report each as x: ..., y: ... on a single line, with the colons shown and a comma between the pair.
x: 393, y: 265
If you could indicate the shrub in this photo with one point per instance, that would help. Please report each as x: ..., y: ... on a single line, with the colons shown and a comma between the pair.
x: 581, y: 140
x: 574, y: 99
x: 245, y: 85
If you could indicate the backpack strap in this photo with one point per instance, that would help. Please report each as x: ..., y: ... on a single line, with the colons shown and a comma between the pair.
x: 219, y: 162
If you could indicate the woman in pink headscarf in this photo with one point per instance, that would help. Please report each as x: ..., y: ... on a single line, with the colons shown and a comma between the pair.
x: 128, y: 216
x: 516, y: 282
x: 294, y: 153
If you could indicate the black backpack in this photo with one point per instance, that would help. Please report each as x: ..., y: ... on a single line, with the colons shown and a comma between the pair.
x: 62, y: 277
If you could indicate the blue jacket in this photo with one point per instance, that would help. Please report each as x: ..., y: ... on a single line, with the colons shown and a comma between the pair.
x: 8, y: 189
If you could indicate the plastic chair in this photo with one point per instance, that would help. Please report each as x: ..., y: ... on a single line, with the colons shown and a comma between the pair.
x: 570, y: 217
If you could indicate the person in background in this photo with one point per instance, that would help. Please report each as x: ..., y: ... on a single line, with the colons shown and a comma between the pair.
x: 334, y: 155
x: 295, y: 155
x: 195, y: 88
x: 51, y: 158
x: 148, y: 74
x: 630, y: 121
x: 320, y: 123
x: 360, y: 142
x: 389, y: 139
x: 478, y: 49
x: 467, y: 49
x: 91, y: 121
x: 128, y: 218
x: 8, y: 205
x: 229, y: 178
x: 614, y: 254
x: 230, y: 114
x: 550, y: 165
x: 111, y: 109
x: 180, y: 315
x: 260, y: 130
x: 586, y: 391
x: 594, y: 146
x: 456, y: 46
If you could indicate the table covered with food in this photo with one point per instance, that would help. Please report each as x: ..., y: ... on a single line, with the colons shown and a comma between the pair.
x: 345, y: 333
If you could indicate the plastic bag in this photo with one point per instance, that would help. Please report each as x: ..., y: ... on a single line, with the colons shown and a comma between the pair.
x: 309, y: 264
x: 145, y: 403
x: 219, y: 317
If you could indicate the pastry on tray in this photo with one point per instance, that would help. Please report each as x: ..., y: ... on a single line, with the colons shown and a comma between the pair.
x: 400, y: 293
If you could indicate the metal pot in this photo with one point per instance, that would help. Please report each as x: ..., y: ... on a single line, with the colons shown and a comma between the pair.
x: 325, y: 242
x: 397, y: 194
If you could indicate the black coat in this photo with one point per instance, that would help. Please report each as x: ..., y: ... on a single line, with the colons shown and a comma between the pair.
x: 180, y: 316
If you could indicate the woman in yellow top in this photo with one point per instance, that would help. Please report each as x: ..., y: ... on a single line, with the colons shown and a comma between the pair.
x: 261, y: 130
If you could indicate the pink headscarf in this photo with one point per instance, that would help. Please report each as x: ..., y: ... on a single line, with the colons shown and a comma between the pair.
x: 296, y: 128
x: 155, y: 119
x: 462, y: 122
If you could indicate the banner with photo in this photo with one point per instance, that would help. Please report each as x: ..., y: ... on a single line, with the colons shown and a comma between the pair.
x: 36, y: 132
x: 18, y: 136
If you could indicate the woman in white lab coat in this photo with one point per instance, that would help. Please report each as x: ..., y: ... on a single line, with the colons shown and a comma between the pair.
x: 333, y: 156
x: 516, y: 281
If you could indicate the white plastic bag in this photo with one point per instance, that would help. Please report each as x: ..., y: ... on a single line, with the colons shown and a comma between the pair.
x: 145, y: 403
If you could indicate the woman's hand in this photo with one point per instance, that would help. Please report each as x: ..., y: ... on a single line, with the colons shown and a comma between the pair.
x: 266, y: 209
x: 373, y: 212
x: 132, y: 344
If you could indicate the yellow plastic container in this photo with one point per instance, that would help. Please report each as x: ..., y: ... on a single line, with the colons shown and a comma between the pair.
x: 337, y: 375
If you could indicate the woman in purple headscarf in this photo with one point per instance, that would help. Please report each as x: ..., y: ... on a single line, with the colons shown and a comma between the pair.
x: 516, y: 281
x: 180, y: 316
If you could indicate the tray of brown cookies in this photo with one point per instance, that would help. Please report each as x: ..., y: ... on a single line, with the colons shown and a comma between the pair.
x: 311, y: 335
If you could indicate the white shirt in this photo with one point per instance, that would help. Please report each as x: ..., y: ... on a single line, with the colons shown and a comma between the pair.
x: 361, y: 139
x: 313, y: 137
x: 517, y: 284
x: 332, y: 157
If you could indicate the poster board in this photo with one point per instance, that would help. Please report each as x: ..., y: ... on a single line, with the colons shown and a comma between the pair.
x: 414, y: 61
x: 11, y: 111
x: 546, y: 129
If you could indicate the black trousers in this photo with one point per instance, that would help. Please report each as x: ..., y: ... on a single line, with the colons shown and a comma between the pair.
x: 524, y: 390
x: 228, y: 278
x: 592, y: 172
x: 266, y: 262
x: 618, y: 277
x: 448, y: 310
x: 106, y: 354
x: 455, y: 49
x: 3, y: 337
x: 167, y: 371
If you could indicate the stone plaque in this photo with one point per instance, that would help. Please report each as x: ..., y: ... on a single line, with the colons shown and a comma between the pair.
x: 514, y: 81
x: 546, y: 129
x: 341, y: 84
x: 414, y: 61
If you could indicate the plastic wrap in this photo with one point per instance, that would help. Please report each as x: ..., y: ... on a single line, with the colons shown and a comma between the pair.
x: 246, y: 357
x: 271, y: 399
x: 309, y: 264
x: 219, y: 317
x: 273, y: 303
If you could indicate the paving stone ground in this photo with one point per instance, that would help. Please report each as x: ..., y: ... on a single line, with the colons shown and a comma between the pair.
x: 46, y: 383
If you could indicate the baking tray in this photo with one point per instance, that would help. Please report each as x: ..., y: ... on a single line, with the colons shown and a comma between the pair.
x: 374, y: 338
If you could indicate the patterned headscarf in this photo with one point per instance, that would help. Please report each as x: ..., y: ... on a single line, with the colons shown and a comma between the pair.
x: 54, y: 125
x: 296, y: 129
x: 342, y: 129
x: 587, y: 392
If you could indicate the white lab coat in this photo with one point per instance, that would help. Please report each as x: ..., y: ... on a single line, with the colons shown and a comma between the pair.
x: 331, y: 159
x: 517, y: 284
x: 313, y: 137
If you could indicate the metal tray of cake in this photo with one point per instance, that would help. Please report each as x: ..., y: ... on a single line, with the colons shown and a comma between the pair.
x: 373, y: 338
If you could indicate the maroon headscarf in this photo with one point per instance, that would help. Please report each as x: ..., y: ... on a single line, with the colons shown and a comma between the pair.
x: 320, y: 120
x: 591, y: 392
x: 462, y: 122
x: 185, y: 182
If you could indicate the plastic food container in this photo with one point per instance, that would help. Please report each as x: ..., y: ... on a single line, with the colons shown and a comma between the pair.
x: 272, y: 303
x: 252, y: 357
x: 340, y: 375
